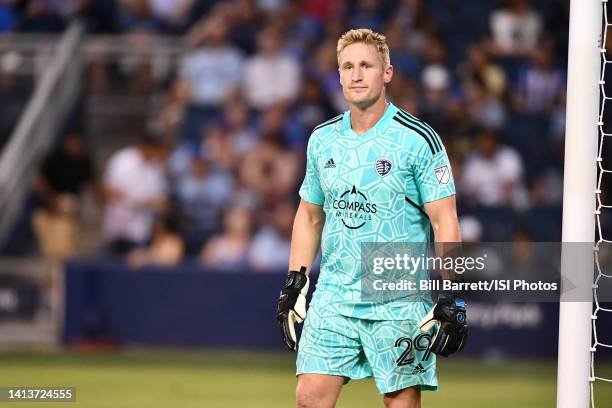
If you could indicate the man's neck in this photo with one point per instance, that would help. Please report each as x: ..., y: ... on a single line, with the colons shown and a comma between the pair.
x: 363, y: 120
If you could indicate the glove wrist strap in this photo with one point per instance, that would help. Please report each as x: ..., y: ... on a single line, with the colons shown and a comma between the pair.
x: 296, y: 280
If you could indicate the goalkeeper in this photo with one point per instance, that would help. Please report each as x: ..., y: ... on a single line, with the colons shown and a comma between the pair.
x: 374, y: 174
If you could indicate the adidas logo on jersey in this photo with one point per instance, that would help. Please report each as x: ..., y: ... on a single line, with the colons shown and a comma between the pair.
x: 330, y: 164
x: 419, y: 369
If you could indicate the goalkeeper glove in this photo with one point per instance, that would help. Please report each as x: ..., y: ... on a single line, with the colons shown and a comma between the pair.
x: 452, y: 331
x: 292, y: 306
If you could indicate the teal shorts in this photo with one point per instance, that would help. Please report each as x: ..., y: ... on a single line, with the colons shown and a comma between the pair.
x: 394, y: 352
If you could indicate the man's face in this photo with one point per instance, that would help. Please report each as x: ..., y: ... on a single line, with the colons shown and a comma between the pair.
x: 362, y: 74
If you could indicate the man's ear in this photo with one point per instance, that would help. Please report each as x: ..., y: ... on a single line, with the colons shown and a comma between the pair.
x: 388, y: 74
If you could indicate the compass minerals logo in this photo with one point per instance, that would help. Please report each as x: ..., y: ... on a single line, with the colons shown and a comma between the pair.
x: 353, y: 208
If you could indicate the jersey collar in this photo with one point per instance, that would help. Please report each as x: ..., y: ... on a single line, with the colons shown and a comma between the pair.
x: 384, y: 119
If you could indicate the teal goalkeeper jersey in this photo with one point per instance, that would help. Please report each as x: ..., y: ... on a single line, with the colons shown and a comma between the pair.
x: 373, y: 188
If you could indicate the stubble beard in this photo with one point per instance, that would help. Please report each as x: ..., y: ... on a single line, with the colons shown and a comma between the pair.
x: 366, y: 103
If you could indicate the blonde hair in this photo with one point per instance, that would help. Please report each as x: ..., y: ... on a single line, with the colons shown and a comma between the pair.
x: 366, y: 36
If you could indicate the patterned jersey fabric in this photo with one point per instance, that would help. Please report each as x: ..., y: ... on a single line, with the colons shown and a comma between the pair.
x: 373, y: 188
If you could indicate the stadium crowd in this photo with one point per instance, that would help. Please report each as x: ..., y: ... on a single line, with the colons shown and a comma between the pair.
x: 217, y: 178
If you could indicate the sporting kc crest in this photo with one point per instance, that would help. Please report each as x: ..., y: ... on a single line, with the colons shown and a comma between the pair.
x: 383, y: 166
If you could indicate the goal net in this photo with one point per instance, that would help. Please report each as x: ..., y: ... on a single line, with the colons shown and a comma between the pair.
x: 585, y: 179
x: 603, y: 193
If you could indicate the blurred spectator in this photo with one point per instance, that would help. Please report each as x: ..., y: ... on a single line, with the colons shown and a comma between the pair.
x: 201, y: 195
x: 412, y: 19
x: 312, y: 107
x: 271, y: 171
x: 325, y: 71
x: 279, y: 121
x: 547, y: 188
x: 179, y: 162
x: 486, y: 109
x: 457, y: 127
x: 480, y: 71
x: 472, y: 234
x: 208, y: 75
x: 436, y: 81
x: 301, y: 31
x: 173, y: 14
x: 136, y: 15
x: 540, y: 85
x: 516, y: 28
x: 136, y: 192
x: 238, y: 130
x: 271, y: 75
x: 166, y: 249
x: 217, y: 148
x: 229, y: 249
x: 138, y: 67
x: 246, y: 23
x: 64, y: 175
x: 134, y: 19
x: 405, y: 62
x: 493, y: 175
x: 272, y: 243
x: 214, y: 146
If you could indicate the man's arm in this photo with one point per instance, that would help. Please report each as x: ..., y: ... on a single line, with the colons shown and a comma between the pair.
x: 447, y: 236
x: 449, y: 311
x: 306, y: 235
x: 305, y: 241
x: 443, y: 217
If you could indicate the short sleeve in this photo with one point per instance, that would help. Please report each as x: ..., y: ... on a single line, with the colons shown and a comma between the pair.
x: 311, y: 186
x: 433, y: 175
x: 114, y: 170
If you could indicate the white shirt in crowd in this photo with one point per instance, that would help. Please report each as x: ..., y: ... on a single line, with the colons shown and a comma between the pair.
x: 271, y: 79
x: 540, y: 88
x: 495, y: 181
x: 137, y: 181
x: 212, y: 73
x: 269, y: 250
x: 513, y: 31
x: 167, y: 8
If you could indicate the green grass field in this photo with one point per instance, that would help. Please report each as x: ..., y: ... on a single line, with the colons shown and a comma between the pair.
x: 256, y: 380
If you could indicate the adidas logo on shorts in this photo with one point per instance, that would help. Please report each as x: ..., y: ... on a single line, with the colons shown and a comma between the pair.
x: 419, y: 369
x: 330, y: 164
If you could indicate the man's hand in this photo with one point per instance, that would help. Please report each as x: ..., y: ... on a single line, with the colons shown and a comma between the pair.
x: 452, y: 331
x: 292, y: 306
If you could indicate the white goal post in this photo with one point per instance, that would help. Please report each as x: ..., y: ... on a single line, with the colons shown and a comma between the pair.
x: 580, y: 181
